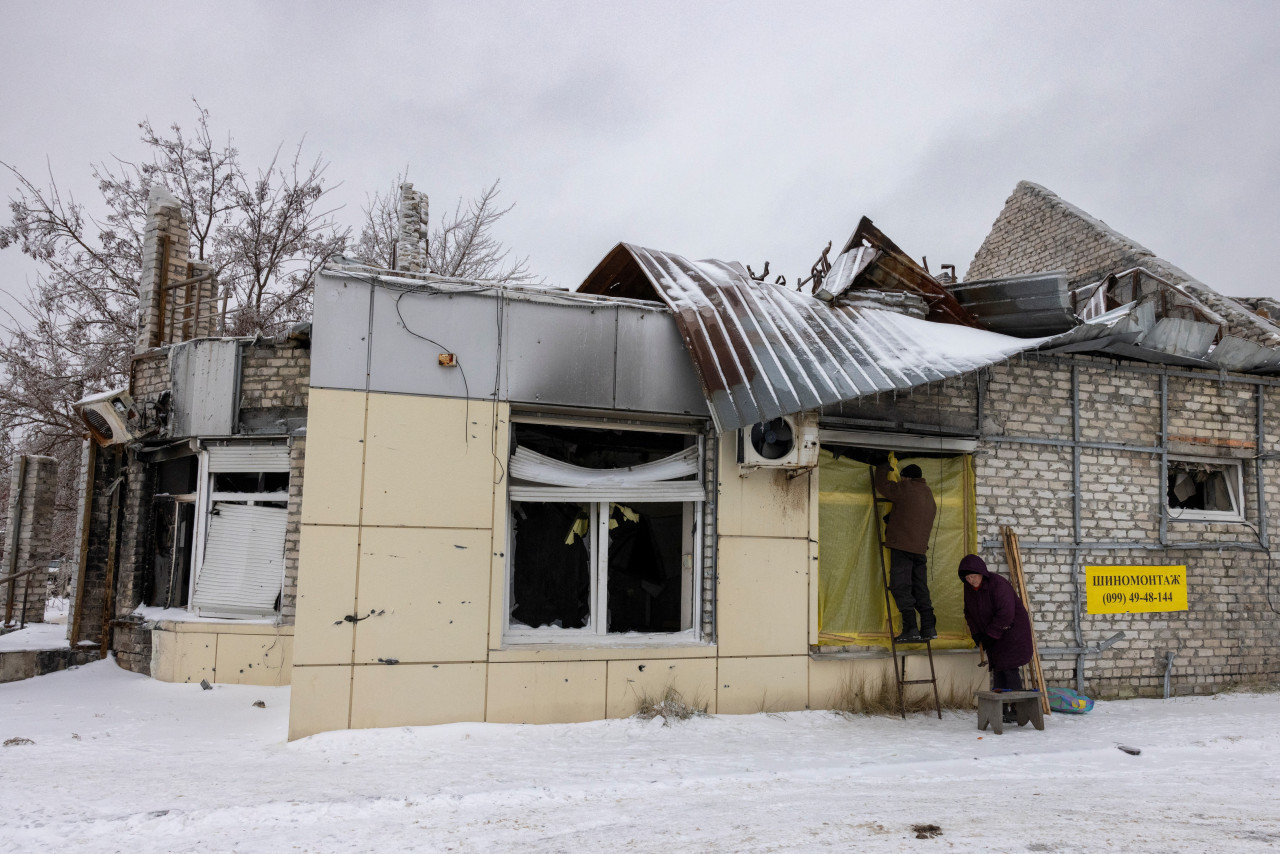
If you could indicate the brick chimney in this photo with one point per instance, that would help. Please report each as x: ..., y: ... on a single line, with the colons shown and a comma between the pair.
x: 167, y: 315
x: 411, y: 242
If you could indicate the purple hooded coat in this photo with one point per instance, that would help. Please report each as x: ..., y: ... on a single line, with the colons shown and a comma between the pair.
x: 995, y: 610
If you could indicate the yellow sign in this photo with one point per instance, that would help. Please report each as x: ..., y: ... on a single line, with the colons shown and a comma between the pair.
x: 1135, y: 589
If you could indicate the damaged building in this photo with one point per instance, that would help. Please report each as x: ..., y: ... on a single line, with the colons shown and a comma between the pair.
x: 532, y: 505
x: 191, y: 484
x: 569, y: 502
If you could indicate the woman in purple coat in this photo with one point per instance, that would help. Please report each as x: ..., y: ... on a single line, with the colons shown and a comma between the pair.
x: 998, y: 622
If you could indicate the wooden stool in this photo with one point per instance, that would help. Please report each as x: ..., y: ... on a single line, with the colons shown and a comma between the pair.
x: 1025, y: 703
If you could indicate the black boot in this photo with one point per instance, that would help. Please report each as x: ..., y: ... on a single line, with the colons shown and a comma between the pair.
x: 928, y: 625
x: 908, y: 634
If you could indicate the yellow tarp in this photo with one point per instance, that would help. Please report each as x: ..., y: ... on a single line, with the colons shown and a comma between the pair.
x: 851, y: 577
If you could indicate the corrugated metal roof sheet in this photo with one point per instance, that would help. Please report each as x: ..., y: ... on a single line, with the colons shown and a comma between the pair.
x: 762, y: 350
x: 1030, y: 305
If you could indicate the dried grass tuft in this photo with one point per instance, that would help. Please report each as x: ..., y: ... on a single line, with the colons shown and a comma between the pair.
x: 881, y: 698
x: 670, y: 705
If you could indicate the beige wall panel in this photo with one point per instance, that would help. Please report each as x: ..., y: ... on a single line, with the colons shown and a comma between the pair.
x: 632, y: 681
x: 498, y: 543
x: 319, y: 700
x: 763, y: 596
x: 334, y: 457
x: 837, y: 684
x: 254, y: 659
x: 417, y: 694
x: 326, y: 593
x: 546, y: 692
x: 760, y: 502
x: 420, y: 470
x: 430, y: 591
x: 184, y: 656
x: 850, y: 684
x: 748, y: 685
x: 814, y: 546
x: 572, y: 652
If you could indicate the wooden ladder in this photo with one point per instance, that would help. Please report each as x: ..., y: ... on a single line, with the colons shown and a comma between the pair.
x: 900, y: 658
x: 1014, y: 558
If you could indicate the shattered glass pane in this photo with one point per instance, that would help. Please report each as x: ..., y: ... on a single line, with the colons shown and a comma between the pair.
x: 551, y: 564
x: 645, y: 548
x: 1201, y: 486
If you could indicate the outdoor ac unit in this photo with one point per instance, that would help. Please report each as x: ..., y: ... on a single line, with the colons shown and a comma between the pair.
x: 110, y: 416
x: 789, y: 442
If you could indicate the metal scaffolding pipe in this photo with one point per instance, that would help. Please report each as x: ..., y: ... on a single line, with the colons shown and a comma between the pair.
x: 1076, y: 508
x: 1264, y: 538
x: 1164, y: 459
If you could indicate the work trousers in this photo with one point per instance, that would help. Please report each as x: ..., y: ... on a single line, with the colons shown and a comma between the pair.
x: 909, y: 584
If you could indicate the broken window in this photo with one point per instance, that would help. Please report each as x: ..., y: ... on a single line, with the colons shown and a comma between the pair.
x: 173, y: 532
x: 244, y: 501
x: 1205, y: 489
x: 604, y: 526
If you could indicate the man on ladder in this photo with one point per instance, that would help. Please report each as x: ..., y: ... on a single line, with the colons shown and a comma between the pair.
x: 907, y: 531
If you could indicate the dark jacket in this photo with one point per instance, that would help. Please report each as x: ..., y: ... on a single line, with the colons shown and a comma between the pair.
x: 996, y: 616
x: 911, y: 522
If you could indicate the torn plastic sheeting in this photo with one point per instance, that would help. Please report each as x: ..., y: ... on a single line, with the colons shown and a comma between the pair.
x: 534, y: 467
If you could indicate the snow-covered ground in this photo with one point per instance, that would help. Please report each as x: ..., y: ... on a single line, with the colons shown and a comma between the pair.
x: 124, y: 763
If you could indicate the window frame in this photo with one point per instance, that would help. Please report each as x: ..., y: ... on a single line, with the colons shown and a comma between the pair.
x: 595, y: 633
x: 1235, y: 489
x: 205, y: 499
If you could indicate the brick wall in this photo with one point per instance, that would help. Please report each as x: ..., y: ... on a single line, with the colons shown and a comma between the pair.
x: 91, y: 597
x: 29, y: 545
x: 165, y: 315
x: 274, y: 386
x: 1037, y: 231
x: 1230, y: 632
x: 274, y: 376
x: 293, y: 531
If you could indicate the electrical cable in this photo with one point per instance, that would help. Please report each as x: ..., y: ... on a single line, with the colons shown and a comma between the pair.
x: 476, y: 288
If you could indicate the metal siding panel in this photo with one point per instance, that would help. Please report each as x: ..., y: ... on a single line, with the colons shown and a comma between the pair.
x: 464, y: 324
x: 654, y: 373
x: 203, y: 375
x: 243, y: 566
x: 1035, y: 304
x: 340, y: 333
x: 560, y: 354
x: 243, y: 458
x: 1188, y: 338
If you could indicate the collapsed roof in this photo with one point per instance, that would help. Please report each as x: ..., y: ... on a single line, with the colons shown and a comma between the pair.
x: 763, y: 350
x: 1048, y: 277
x: 1107, y: 293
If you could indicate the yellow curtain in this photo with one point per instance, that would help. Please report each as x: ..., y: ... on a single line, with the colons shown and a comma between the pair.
x: 851, y: 576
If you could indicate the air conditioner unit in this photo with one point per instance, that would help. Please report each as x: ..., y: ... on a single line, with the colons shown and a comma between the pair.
x: 110, y: 416
x: 789, y: 442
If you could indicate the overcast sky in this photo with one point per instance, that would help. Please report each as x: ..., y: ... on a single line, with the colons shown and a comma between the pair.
x: 742, y: 131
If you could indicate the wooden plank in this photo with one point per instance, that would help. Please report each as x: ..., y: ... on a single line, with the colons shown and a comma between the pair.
x: 1014, y: 558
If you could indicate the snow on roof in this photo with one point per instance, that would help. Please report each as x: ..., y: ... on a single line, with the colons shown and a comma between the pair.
x: 762, y: 350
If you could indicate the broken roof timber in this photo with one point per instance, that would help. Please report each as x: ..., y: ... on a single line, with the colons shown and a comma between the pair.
x: 893, y: 269
x: 762, y: 350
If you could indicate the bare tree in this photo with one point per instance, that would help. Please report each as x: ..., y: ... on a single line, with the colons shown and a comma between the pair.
x: 462, y: 245
x: 280, y: 238
x: 74, y: 333
x: 376, y: 245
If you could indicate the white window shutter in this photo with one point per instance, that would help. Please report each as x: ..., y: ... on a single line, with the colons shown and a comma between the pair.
x: 243, y: 457
x: 243, y: 567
